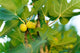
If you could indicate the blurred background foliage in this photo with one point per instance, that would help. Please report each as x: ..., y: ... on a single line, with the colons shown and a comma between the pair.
x: 57, y: 39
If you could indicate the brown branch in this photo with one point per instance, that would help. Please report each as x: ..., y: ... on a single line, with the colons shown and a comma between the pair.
x: 41, y: 49
x: 30, y: 35
x: 55, y: 20
x: 38, y: 34
x: 26, y: 41
x: 47, y: 21
x: 46, y: 49
x: 38, y: 24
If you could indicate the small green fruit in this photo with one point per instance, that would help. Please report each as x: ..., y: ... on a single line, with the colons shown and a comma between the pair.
x: 71, y: 46
x: 31, y: 25
x: 23, y: 27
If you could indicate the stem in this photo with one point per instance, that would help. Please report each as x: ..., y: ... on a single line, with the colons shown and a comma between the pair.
x: 30, y: 35
x: 38, y: 24
x: 46, y: 49
x: 63, y: 43
x: 26, y: 41
x: 41, y: 49
x: 21, y: 20
x: 30, y: 18
x: 55, y: 20
x: 38, y: 34
x: 46, y: 22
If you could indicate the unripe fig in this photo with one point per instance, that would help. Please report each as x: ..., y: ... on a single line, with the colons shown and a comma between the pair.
x: 69, y: 46
x: 31, y: 25
x: 23, y: 27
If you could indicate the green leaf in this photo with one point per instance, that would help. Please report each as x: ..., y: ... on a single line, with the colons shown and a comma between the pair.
x: 61, y: 8
x: 5, y: 47
x: 20, y: 5
x: 7, y: 15
x: 8, y: 26
x: 76, y: 48
x: 46, y: 32
x: 13, y: 5
x: 34, y: 47
x: 8, y: 5
x: 17, y: 37
x: 17, y: 3
x: 62, y: 37
x: 1, y: 21
x: 69, y: 36
x: 42, y: 17
x: 37, y: 5
x: 19, y: 49
x: 53, y: 50
x: 34, y: 0
x: 25, y: 13
x: 64, y: 20
x: 1, y: 47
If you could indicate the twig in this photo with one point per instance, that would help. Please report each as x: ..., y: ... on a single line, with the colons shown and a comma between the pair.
x: 21, y: 20
x: 63, y: 43
x: 55, y: 20
x: 30, y: 18
x: 30, y: 35
x: 38, y: 24
x: 46, y: 49
x: 26, y: 41
x: 41, y: 49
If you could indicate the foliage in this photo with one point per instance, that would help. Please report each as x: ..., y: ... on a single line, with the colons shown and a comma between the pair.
x: 38, y: 33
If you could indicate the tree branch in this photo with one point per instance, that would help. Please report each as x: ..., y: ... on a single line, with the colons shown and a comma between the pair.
x: 38, y: 24
x: 26, y: 41
x: 30, y: 35
x: 41, y: 49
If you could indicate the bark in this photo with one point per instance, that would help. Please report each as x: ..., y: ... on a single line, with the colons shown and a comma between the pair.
x: 46, y: 49
x: 26, y: 41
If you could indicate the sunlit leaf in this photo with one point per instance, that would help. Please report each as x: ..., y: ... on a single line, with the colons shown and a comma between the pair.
x: 8, y: 26
x: 17, y: 37
x: 61, y: 8
x: 7, y: 15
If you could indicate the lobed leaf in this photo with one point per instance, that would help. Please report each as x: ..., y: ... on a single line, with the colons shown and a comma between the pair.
x: 8, y: 26
x: 7, y: 15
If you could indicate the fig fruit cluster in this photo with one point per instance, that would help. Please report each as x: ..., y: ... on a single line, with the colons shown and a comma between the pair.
x: 31, y: 25
x: 69, y: 46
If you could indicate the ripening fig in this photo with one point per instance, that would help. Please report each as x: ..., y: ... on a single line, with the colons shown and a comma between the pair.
x: 23, y: 27
x: 31, y: 25
x: 69, y: 46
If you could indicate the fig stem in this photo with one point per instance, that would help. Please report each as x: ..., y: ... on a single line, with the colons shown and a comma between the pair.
x: 55, y: 20
x: 30, y: 18
x: 21, y: 20
x: 26, y: 41
x: 30, y: 35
